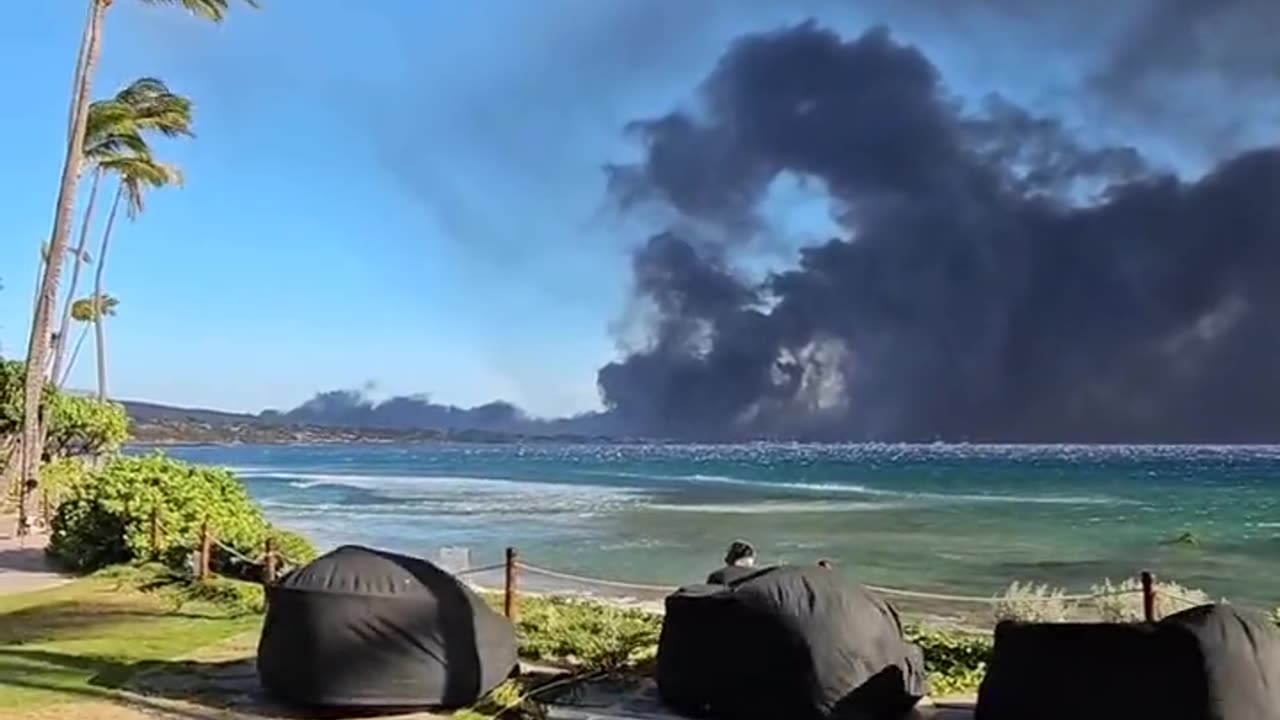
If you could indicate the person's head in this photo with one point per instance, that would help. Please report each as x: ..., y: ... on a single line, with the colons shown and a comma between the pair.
x: 824, y: 564
x: 741, y: 554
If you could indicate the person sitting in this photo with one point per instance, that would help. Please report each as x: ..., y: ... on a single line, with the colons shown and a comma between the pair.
x: 739, y: 562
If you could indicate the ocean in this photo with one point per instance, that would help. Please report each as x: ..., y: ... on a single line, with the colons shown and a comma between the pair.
x: 944, y: 518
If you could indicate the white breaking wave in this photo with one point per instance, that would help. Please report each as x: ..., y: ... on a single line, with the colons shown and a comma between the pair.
x: 856, y: 489
x: 771, y: 507
x: 438, y: 494
x: 444, y: 494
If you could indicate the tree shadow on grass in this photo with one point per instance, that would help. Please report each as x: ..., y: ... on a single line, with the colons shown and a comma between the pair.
x: 193, y: 690
x: 22, y: 669
x: 76, y: 618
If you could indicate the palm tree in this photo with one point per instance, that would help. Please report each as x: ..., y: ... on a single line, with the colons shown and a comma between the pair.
x: 85, y: 311
x: 64, y: 208
x: 137, y: 173
x: 115, y: 129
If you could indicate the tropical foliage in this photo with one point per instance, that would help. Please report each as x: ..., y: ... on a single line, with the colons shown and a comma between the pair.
x: 78, y: 152
x: 106, y: 517
x: 115, y: 145
x: 76, y: 425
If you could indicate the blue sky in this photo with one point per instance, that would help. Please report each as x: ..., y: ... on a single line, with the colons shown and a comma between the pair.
x: 402, y: 193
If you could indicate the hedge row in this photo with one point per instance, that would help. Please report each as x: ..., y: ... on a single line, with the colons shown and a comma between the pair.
x: 105, y: 516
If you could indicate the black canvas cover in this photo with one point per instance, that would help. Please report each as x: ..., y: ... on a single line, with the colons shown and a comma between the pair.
x: 1214, y: 662
x: 363, y: 627
x: 728, y: 574
x: 786, y: 642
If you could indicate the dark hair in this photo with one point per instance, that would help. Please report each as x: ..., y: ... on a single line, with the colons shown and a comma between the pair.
x: 825, y: 563
x: 738, y: 550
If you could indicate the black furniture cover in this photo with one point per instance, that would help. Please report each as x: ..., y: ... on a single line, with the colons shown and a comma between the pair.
x: 366, y: 628
x: 794, y: 643
x: 1213, y: 662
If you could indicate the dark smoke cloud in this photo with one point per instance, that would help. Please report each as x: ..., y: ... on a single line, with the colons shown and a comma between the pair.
x: 994, y: 278
x: 1177, y: 68
x: 1180, y: 53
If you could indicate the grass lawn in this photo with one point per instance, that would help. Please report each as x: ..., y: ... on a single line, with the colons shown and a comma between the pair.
x: 81, y: 641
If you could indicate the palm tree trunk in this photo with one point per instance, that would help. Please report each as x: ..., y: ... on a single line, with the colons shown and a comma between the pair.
x: 9, y: 455
x: 35, y: 292
x: 78, y: 77
x: 75, y: 353
x: 100, y: 334
x: 38, y: 345
x: 64, y: 329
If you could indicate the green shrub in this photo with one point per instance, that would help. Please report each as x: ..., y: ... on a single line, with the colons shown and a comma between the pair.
x: 238, y: 595
x: 293, y: 549
x: 79, y: 426
x: 955, y: 661
x: 105, y: 517
x: 586, y: 634
x: 75, y: 425
x: 1033, y: 603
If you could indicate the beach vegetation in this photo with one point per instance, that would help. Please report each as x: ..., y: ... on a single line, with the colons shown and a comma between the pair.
x: 1029, y: 602
x: 588, y: 635
x: 75, y: 427
x: 1122, y: 602
x: 1108, y: 602
x: 955, y: 660
x: 106, y: 518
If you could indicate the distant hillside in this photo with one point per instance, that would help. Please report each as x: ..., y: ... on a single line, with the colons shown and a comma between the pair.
x: 153, y: 412
x: 153, y: 423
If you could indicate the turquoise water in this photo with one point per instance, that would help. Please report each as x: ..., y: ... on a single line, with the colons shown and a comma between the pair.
x: 964, y: 519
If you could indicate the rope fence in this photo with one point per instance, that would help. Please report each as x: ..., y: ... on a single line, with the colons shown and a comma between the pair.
x: 514, y: 574
x: 1111, y: 603
x: 269, y: 560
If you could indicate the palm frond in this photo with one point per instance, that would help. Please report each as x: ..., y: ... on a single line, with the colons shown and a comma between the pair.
x: 137, y: 175
x: 84, y: 310
x: 214, y: 10
x: 153, y: 106
x: 116, y: 126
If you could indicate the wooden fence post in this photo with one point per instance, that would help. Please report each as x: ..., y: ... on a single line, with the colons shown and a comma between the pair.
x: 206, y: 548
x: 510, y: 598
x: 155, y: 533
x: 269, y: 561
x: 1148, y: 596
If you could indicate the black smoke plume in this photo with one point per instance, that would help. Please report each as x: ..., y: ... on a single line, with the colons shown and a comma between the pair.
x: 994, y: 279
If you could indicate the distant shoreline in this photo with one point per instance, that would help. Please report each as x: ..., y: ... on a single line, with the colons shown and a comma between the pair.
x: 193, y: 433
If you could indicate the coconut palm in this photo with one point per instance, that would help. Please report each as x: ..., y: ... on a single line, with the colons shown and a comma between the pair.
x: 38, y: 345
x: 137, y: 174
x: 85, y: 311
x: 116, y: 129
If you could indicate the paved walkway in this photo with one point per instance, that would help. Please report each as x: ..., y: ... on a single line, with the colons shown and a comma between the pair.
x: 23, y: 566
